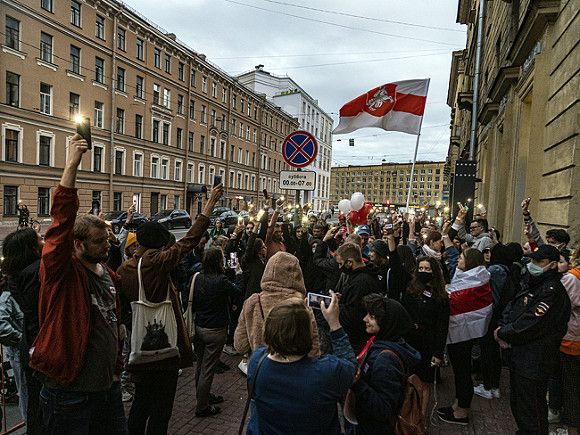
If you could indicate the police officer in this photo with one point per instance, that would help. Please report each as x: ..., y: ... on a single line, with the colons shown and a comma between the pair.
x: 531, y: 329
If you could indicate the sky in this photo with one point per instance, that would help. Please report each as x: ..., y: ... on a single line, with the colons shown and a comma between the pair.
x: 336, y: 50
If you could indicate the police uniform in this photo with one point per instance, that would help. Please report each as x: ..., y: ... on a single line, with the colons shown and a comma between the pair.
x: 533, y: 324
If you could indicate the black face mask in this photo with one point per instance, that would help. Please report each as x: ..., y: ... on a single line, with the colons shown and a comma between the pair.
x: 424, y: 277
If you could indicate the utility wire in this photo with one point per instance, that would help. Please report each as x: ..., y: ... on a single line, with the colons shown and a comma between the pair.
x: 326, y: 54
x: 330, y: 23
x: 362, y: 17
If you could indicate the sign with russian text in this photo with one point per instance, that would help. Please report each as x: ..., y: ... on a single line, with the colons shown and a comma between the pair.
x: 297, y: 180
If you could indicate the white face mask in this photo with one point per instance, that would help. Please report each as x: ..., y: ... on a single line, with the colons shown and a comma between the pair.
x: 534, y: 269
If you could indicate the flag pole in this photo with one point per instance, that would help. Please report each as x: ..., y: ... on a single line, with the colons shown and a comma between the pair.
x: 416, y: 149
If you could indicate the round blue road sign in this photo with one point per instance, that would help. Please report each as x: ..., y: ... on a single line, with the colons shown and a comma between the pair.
x: 299, y: 149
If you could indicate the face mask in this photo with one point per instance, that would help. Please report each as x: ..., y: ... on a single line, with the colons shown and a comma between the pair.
x: 534, y: 269
x: 424, y: 277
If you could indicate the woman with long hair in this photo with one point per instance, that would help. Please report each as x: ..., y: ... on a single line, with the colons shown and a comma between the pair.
x: 427, y: 303
x: 21, y: 251
x: 212, y: 290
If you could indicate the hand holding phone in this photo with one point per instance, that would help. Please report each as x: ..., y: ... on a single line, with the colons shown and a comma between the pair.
x: 217, y: 180
x: 314, y: 300
x: 84, y: 129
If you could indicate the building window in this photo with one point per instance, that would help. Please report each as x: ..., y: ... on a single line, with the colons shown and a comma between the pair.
x: 234, y: 101
x: 45, y: 47
x: 43, y: 201
x: 10, y: 200
x: 45, y: 99
x: 74, y: 105
x: 239, y: 185
x: 222, y: 150
x: 121, y: 38
x: 120, y: 124
x: 119, y: 162
x: 213, y: 118
x: 139, y: 53
x: 117, y: 201
x: 190, y: 172
x: 224, y: 95
x: 180, y: 104
x: 167, y: 63
x: 190, y: 142
x: 139, y: 86
x: 191, y: 109
x: 179, y: 138
x: 157, y: 58
x: 11, y: 145
x: 212, y: 146
x: 165, y: 169
x: 156, y: 93
x: 202, y: 144
x: 165, y: 133
x: 121, y: 79
x: 177, y: 171
x: 201, y: 175
x: 214, y: 90
x: 75, y: 13
x: 154, y: 167
x: 167, y: 98
x: 75, y: 59
x: 192, y: 78
x: 204, y: 84
x: 12, y: 89
x: 180, y: 71
x: 138, y: 126
x: 203, y: 115
x: 97, y: 158
x: 155, y: 134
x: 100, y: 27
x: 99, y: 109
x: 12, y: 33
x: 137, y: 165
x: 46, y: 5
x: 99, y: 70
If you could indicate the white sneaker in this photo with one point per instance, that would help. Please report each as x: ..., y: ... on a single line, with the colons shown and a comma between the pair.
x: 553, y: 416
x: 482, y: 392
x: 243, y: 366
x: 495, y: 393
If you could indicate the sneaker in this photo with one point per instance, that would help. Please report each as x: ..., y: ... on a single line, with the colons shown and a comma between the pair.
x: 482, y: 392
x: 243, y: 366
x: 126, y: 396
x: 449, y: 417
x: 553, y: 416
x: 495, y: 393
x: 214, y: 400
x: 229, y: 350
x: 208, y: 412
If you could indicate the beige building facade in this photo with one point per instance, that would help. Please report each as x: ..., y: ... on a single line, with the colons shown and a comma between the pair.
x: 527, y: 130
x: 165, y: 121
x: 389, y: 183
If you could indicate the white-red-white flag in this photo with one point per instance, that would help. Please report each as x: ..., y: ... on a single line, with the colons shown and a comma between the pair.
x: 397, y: 106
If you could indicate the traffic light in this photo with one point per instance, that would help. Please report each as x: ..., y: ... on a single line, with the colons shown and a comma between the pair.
x: 351, y: 142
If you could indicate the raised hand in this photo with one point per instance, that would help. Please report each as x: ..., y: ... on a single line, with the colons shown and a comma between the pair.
x: 462, y: 212
x: 525, y: 205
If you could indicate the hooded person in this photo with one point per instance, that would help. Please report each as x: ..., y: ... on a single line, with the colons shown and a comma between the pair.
x: 383, y: 363
x: 282, y: 280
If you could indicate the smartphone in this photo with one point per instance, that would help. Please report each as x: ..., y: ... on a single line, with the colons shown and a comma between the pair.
x: 217, y: 180
x: 96, y: 207
x: 314, y: 300
x: 233, y: 260
x: 84, y: 129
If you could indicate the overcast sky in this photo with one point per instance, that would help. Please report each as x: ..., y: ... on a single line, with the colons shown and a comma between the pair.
x: 333, y: 56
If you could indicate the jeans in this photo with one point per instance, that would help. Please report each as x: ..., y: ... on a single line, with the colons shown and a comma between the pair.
x: 460, y: 358
x: 528, y: 404
x: 209, y: 344
x: 153, y: 402
x: 82, y: 413
x: 490, y: 361
x: 13, y: 355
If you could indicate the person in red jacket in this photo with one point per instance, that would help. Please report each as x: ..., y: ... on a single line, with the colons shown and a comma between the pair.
x: 76, y: 353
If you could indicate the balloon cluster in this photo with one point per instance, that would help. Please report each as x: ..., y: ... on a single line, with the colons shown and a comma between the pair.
x: 356, y: 208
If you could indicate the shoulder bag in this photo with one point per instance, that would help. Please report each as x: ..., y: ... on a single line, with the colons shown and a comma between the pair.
x: 188, y: 316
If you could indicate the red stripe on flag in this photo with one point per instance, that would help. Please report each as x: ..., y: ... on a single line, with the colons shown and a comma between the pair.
x: 356, y: 106
x: 410, y: 103
x: 470, y: 299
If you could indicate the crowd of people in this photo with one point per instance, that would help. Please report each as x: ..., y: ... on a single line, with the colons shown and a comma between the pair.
x: 90, y: 319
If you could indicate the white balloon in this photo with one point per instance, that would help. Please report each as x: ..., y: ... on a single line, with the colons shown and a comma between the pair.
x: 357, y: 201
x: 344, y: 206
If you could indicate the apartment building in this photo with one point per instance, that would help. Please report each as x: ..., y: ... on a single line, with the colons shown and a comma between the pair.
x: 527, y: 121
x: 286, y: 93
x: 389, y: 183
x: 165, y: 121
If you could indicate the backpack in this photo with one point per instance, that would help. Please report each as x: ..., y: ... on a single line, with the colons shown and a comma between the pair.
x: 412, y: 416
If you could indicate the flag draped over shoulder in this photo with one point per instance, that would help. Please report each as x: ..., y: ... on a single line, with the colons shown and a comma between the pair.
x: 470, y: 304
x: 397, y: 106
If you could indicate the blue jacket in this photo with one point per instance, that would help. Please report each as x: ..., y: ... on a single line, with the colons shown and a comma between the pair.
x: 379, y: 391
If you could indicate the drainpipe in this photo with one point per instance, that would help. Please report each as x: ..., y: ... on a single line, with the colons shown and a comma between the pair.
x: 476, y: 79
x: 113, y: 110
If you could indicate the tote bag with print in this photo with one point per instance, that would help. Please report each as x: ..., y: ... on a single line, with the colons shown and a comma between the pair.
x: 154, y: 334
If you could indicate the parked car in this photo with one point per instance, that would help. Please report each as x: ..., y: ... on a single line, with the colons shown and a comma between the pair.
x: 172, y: 218
x: 117, y: 219
x: 228, y: 218
x: 216, y: 213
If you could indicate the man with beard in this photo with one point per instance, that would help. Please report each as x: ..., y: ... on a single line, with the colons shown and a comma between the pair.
x: 76, y: 353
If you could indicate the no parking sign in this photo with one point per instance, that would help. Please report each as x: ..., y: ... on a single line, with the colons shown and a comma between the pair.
x: 299, y: 149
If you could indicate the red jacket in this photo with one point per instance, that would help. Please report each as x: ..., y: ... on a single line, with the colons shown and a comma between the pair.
x: 64, y: 303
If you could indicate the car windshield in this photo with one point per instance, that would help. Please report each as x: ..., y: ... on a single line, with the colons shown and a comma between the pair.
x: 163, y: 213
x: 112, y: 215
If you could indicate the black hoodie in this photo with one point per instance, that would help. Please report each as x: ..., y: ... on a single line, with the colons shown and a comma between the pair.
x: 353, y: 286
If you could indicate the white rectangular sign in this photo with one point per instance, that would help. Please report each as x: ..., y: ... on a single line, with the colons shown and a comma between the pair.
x: 297, y: 180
